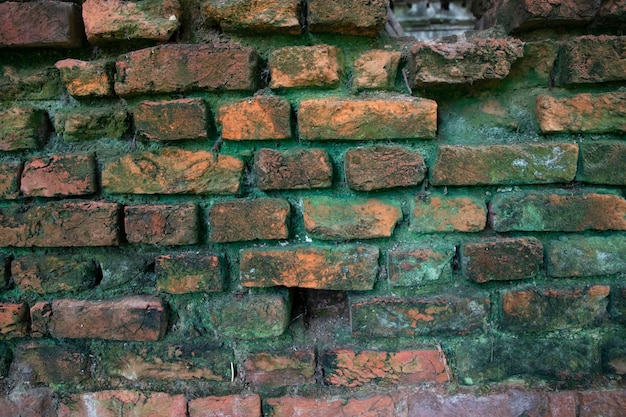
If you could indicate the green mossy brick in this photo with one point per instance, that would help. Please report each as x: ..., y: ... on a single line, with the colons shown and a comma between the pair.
x: 22, y: 128
x: 6, y: 357
x: 189, y: 272
x: 91, y: 123
x: 29, y: 83
x: 417, y: 266
x: 618, y: 304
x: 585, y: 256
x: 51, y: 362
x: 603, y: 162
x: 50, y: 274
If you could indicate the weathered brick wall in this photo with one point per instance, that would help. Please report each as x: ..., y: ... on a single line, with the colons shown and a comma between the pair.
x: 251, y: 208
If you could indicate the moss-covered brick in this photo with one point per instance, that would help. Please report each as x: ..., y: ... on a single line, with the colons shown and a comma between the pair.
x: 618, y: 304
x: 464, y: 62
x: 14, y: 320
x: 614, y: 355
x: 189, y: 272
x: 91, y: 123
x: 393, y: 117
x: 173, y: 171
x: 348, y: 17
x: 584, y: 256
x: 50, y: 273
x: 352, y: 268
x: 418, y: 266
x: 292, y: 169
x: 592, y: 59
x: 245, y: 220
x: 330, y: 218
x: 279, y: 369
x: 547, y: 309
x: 29, y: 83
x: 410, y: 317
x: 162, y: 224
x: 59, y: 175
x: 127, y: 402
x: 306, y: 66
x: 5, y: 271
x: 494, y: 359
x: 603, y: 162
x: 572, y: 212
x: 349, y: 368
x: 442, y: 213
x: 51, y: 362
x: 180, y: 68
x: 9, y: 180
x: 376, y: 69
x: 22, y: 128
x: 60, y: 224
x: 185, y: 118
x: 582, y: 113
x: 245, y: 405
x: 505, y: 164
x: 109, y: 21
x: 379, y: 167
x: 257, y: 118
x: 253, y: 316
x: 6, y: 356
x: 253, y: 17
x: 502, y: 259
x: 87, y: 78
x: 536, y: 66
x: 49, y: 24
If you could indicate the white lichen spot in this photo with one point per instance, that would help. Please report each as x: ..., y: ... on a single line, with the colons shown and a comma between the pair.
x: 521, y: 163
x: 172, y: 18
x: 307, y: 239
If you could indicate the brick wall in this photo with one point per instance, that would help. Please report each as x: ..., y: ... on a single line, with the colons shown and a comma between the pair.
x: 250, y: 208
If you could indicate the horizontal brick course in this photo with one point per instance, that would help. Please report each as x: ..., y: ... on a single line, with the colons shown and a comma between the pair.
x: 293, y: 169
x: 230, y: 405
x: 348, y: 17
x: 163, y: 224
x: 306, y: 66
x: 172, y: 119
x: 59, y: 175
x: 278, y: 370
x: 262, y: 117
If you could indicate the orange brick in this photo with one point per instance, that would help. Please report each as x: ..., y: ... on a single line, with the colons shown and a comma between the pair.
x: 376, y: 69
x: 348, y: 17
x: 257, y: 118
x: 59, y: 175
x: 306, y: 66
x: 184, y: 118
x: 592, y: 59
x: 14, y: 319
x: 87, y: 78
x: 129, y: 403
x: 255, y: 17
x: 22, y: 127
x: 380, y: 405
x: 189, y: 272
x: 441, y: 213
x: 230, y: 405
x: 162, y: 224
x: 279, y: 370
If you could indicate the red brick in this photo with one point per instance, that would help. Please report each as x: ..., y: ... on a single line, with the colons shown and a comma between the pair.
x: 592, y: 59
x: 9, y: 176
x: 412, y: 267
x: 33, y: 82
x: 89, y: 223
x: 397, y: 117
x: 378, y: 167
x: 189, y: 272
x: 409, y: 317
x: 602, y: 403
x: 441, y: 213
x: 603, y: 162
x: 344, y: 268
x: 338, y: 219
x: 502, y: 259
x: 379, y: 405
x: 230, y: 405
x: 48, y: 273
x: 50, y: 24
x: 162, y: 224
x: 306, y: 66
x: 279, y: 370
x: 433, y: 64
x: 562, y: 404
x: 173, y: 171
x: 376, y: 69
x: 129, y: 404
x: 246, y: 220
x: 14, y: 318
x: 505, y: 164
x: 123, y: 21
x: 59, y: 175
x: 293, y: 169
x: 254, y: 17
x: 38, y: 362
x: 87, y: 78
x: 348, y: 17
x: 345, y: 367
x: 582, y: 113
x: 36, y: 402
x: 573, y: 212
x: 129, y: 319
x: 91, y: 123
x: 180, y: 68
x: 553, y: 309
x: 184, y: 118
x: 22, y: 127
x: 259, y: 117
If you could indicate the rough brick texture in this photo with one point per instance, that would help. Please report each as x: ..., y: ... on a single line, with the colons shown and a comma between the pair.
x: 46, y: 362
x: 87, y: 78
x: 22, y: 128
x: 417, y: 266
x: 50, y: 274
x: 306, y: 66
x: 592, y: 59
x: 9, y: 177
x: 293, y: 169
x: 13, y: 320
x: 258, y: 219
x: 275, y: 370
x: 162, y: 224
x: 376, y: 69
x: 59, y: 175
x: 231, y: 405
x: 252, y: 317
x: 441, y: 213
x: 349, y: 17
x: 38, y: 83
x: 260, y: 117
x: 189, y: 272
x: 91, y: 123
x: 129, y: 403
x: 583, y: 256
x: 252, y: 17
x: 603, y: 162
x: 172, y: 119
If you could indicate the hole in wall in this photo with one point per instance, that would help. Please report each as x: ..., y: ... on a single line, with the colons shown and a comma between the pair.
x: 321, y: 311
x: 426, y: 19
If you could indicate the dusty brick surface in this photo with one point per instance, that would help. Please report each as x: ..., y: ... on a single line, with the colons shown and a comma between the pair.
x: 60, y: 224
x: 9, y: 180
x: 602, y: 403
x: 230, y: 405
x: 22, y: 128
x: 592, y: 59
x: 294, y: 169
x: 189, y: 272
x: 280, y: 369
x: 603, y: 162
x: 346, y: 268
x: 13, y: 320
x: 59, y: 175
x: 349, y: 17
x: 202, y: 67
x: 31, y: 83
x: 128, y: 403
x: 254, y: 316
x: 253, y: 17
x: 91, y: 123
x: 396, y: 117
x: 57, y: 24
x: 419, y: 266
x: 306, y: 66
x: 184, y: 118
x: 50, y: 274
x: 173, y: 171
x: 583, y: 256
x: 33, y: 402
x: 379, y: 167
x: 339, y: 219
x: 261, y: 117
x: 441, y: 213
x: 87, y: 78
x: 163, y: 224
x: 245, y: 220
x: 41, y: 362
x: 376, y: 69
x: 505, y: 164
